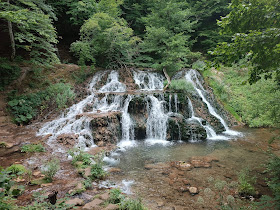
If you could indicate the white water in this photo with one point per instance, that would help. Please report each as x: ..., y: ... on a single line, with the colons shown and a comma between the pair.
x: 191, y: 76
x: 148, y: 80
x: 157, y: 120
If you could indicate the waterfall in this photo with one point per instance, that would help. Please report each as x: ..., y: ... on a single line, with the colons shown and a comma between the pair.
x: 209, y: 130
x: 148, y: 80
x: 127, y: 124
x: 191, y: 76
x: 112, y: 96
x: 157, y: 120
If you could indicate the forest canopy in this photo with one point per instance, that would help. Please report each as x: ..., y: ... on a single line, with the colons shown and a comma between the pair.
x: 166, y: 34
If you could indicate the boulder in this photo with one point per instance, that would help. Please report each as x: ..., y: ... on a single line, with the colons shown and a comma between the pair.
x: 202, y: 162
x: 95, y: 204
x: 193, y: 190
x: 112, y: 207
x: 68, y: 139
x: 75, y: 202
x: 185, y: 130
x: 106, y: 128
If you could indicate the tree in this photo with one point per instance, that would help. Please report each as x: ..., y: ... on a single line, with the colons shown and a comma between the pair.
x: 167, y: 41
x: 207, y: 12
x: 106, y: 40
x: 255, y: 29
x: 33, y: 30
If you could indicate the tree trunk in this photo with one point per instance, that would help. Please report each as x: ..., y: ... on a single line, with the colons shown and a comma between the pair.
x: 168, y: 80
x: 12, y: 38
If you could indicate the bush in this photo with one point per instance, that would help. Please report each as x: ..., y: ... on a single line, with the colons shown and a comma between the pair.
x: 50, y: 169
x: 181, y: 85
x: 131, y: 204
x: 24, y: 108
x: 257, y: 105
x: 82, y: 74
x: 33, y: 148
x: 246, y: 182
x: 8, y: 72
x: 82, y: 156
x: 16, y: 169
x: 115, y: 196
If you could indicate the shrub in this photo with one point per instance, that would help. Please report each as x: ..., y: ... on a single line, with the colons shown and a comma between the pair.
x: 82, y: 156
x: 115, y: 196
x: 8, y: 72
x: 16, y: 169
x: 181, y: 85
x: 97, y: 171
x: 246, y: 182
x: 50, y: 169
x: 32, y: 148
x: 82, y: 74
x: 24, y: 108
x: 131, y: 204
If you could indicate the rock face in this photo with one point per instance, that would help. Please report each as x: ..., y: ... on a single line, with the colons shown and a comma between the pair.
x: 138, y: 111
x: 185, y: 130
x: 106, y: 128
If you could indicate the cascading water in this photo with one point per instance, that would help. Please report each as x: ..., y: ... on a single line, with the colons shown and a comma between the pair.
x: 112, y: 97
x: 192, y: 77
x: 157, y: 120
x: 148, y: 81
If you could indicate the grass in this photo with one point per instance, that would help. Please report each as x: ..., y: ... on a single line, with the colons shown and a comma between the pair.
x: 256, y: 105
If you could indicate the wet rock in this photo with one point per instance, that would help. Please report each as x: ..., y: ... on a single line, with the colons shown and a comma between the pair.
x: 115, y: 170
x: 75, y: 202
x: 193, y: 190
x: 202, y: 162
x: 185, y: 130
x: 95, y: 204
x: 138, y: 112
x: 106, y: 128
x: 68, y: 139
x: 96, y: 150
x: 182, y: 165
x: 112, y: 207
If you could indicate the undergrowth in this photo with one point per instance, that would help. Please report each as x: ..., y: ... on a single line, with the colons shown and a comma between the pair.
x: 257, y: 105
x: 31, y: 148
x: 26, y: 107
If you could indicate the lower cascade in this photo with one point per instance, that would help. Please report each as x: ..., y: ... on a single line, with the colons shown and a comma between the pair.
x: 116, y: 110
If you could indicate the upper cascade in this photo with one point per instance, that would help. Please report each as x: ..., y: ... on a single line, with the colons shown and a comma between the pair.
x: 106, y: 116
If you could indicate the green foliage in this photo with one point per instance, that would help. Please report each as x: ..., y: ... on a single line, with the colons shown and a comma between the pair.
x: 131, y: 204
x: 207, y: 12
x: 80, y: 156
x: 82, y: 74
x: 106, y: 40
x: 16, y: 169
x: 166, y: 42
x: 33, y: 28
x: 9, y: 189
x: 30, y: 148
x: 8, y: 72
x: 50, y: 168
x: 116, y: 197
x: 273, y: 168
x: 256, y: 105
x: 181, y: 85
x: 25, y: 107
x: 97, y: 171
x: 246, y: 183
x: 255, y: 27
x: 41, y: 202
